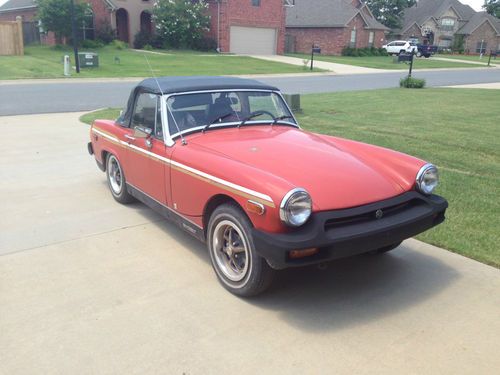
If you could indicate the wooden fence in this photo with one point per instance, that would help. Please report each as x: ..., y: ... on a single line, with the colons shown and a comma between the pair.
x: 11, y: 37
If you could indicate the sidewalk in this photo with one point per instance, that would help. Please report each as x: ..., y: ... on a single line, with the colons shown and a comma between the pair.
x: 484, y: 62
x: 333, y: 67
x: 491, y: 86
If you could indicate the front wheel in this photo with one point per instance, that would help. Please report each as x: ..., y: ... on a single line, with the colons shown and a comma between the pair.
x: 237, y: 265
x: 116, y: 180
x: 419, y: 54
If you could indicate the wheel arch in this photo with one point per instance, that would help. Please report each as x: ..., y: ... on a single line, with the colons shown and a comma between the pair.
x: 214, y: 202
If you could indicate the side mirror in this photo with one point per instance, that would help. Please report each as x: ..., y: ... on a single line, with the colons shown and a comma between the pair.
x: 142, y: 132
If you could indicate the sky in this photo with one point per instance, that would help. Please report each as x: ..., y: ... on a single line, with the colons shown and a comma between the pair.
x: 476, y: 4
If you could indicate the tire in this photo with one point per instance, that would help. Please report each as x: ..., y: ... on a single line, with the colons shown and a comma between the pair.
x: 385, y: 249
x: 116, y: 180
x: 236, y: 263
x: 419, y: 54
x: 402, y: 52
x: 427, y: 56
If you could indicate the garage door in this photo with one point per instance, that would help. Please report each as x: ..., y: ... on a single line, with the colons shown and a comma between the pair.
x: 252, y: 40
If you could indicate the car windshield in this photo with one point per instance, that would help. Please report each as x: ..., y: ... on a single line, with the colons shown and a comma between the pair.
x: 193, y: 112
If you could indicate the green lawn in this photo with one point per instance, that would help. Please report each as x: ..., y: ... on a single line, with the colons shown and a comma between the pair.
x: 457, y: 129
x: 386, y: 62
x: 46, y: 62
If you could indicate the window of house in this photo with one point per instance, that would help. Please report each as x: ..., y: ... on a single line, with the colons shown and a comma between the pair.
x: 371, y: 37
x: 352, y: 44
x: 256, y: 3
x: 87, y: 26
x: 481, y: 47
x: 447, y: 24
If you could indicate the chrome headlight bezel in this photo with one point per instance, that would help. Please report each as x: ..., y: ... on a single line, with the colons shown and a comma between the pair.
x: 427, y: 179
x: 294, y: 197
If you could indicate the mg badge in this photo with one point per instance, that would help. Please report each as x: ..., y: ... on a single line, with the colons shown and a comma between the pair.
x: 379, y: 214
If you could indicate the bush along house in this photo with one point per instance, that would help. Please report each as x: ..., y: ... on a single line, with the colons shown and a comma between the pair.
x: 332, y: 25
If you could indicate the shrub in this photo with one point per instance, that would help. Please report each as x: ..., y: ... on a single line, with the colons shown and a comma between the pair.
x: 58, y: 47
x: 148, y: 47
x: 181, y: 23
x: 367, y: 51
x: 205, y: 44
x: 89, y: 43
x: 412, y: 83
x: 118, y: 44
x: 141, y: 39
x: 105, y: 33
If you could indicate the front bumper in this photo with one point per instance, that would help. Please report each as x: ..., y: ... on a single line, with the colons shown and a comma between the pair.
x: 347, y: 232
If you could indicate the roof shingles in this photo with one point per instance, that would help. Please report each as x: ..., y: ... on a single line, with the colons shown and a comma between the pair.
x: 326, y: 13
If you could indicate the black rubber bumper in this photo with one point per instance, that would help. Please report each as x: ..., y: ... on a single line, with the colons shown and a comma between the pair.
x: 342, y: 233
x: 90, y: 149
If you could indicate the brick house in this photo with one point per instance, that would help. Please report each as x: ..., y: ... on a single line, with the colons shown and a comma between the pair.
x: 239, y: 26
x: 440, y: 22
x: 332, y: 25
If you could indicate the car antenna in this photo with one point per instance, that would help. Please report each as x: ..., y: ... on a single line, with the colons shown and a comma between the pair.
x: 183, y: 140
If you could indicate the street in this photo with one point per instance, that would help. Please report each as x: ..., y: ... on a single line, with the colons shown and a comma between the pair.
x: 33, y: 97
x: 91, y: 286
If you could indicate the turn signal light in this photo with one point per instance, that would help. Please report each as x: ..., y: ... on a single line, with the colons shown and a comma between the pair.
x: 297, y: 254
x: 255, y: 207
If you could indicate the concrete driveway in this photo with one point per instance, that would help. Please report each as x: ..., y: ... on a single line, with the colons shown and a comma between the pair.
x: 90, y: 286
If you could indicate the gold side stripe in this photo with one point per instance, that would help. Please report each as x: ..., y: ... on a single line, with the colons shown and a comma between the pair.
x: 236, y: 189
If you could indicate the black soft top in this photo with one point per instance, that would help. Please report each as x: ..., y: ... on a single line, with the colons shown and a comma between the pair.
x: 170, y: 85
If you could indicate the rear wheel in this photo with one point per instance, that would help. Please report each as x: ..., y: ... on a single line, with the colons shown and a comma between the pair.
x: 116, y: 180
x: 238, y: 267
x: 402, y: 52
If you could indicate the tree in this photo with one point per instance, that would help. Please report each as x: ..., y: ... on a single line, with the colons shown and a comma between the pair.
x: 492, y: 7
x: 389, y: 12
x: 181, y: 23
x: 55, y: 16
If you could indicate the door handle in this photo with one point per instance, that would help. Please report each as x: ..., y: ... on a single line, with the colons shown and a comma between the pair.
x: 129, y: 137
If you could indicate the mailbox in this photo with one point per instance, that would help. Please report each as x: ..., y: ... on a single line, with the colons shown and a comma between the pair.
x: 405, y: 57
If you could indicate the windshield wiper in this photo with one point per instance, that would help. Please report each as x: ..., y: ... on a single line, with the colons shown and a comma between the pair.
x: 277, y: 119
x: 218, y: 119
x: 248, y: 118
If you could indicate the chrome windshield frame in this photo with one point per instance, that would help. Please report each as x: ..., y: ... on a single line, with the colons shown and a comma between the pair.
x: 169, y: 139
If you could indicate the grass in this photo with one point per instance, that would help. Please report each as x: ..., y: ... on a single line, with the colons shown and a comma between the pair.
x: 106, y: 113
x: 386, y: 62
x: 46, y: 62
x: 457, y: 129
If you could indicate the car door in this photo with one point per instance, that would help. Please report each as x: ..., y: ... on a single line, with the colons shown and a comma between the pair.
x: 148, y: 158
x: 390, y: 47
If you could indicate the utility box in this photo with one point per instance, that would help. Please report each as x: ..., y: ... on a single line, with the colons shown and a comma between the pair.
x: 88, y: 59
x: 293, y: 101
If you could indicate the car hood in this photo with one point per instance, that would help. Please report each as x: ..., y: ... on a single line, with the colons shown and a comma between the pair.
x: 336, y: 172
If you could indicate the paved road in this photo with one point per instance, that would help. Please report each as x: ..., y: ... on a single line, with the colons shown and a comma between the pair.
x: 83, y: 96
x: 90, y: 286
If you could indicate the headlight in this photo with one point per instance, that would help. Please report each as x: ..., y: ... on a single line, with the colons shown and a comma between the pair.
x: 427, y: 179
x: 296, y: 207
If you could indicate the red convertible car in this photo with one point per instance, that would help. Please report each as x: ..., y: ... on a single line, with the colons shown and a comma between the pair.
x: 226, y: 160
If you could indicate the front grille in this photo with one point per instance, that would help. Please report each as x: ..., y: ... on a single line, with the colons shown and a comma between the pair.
x: 369, y: 215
